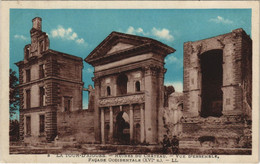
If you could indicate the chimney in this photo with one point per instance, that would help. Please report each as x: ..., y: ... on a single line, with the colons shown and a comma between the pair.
x: 37, y: 23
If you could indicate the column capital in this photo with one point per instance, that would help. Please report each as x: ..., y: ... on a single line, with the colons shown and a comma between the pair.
x: 152, y: 69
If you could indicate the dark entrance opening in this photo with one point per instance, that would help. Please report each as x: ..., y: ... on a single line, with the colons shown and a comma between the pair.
x: 212, y: 80
x: 122, y: 84
x: 122, y: 128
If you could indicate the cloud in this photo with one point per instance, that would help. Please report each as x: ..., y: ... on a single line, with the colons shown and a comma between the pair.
x: 21, y: 37
x: 178, y: 85
x: 132, y: 30
x: 88, y: 70
x: 173, y: 60
x: 66, y: 34
x: 220, y: 19
x: 162, y: 34
x: 80, y: 41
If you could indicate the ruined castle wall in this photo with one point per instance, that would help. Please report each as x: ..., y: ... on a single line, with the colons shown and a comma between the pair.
x: 77, y: 124
x: 73, y: 91
x: 233, y: 46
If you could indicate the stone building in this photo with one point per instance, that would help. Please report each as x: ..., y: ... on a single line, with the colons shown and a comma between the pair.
x: 218, y: 90
x: 50, y: 82
x: 129, y: 83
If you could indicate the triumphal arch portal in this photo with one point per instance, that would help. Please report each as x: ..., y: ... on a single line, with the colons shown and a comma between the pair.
x: 129, y: 83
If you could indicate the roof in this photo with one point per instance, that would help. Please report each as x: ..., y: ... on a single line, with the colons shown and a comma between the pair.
x: 139, y: 43
x: 50, y: 51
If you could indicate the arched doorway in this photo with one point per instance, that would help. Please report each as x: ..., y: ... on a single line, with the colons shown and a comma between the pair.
x: 122, y: 128
x: 121, y: 84
x: 212, y: 81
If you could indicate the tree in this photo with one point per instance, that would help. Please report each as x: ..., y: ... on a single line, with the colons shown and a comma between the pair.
x: 13, y: 93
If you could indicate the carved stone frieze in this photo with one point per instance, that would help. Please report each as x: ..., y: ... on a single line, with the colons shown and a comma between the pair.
x: 122, y: 100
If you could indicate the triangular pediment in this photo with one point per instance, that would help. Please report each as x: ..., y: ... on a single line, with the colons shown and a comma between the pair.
x: 116, y: 45
x: 119, y: 47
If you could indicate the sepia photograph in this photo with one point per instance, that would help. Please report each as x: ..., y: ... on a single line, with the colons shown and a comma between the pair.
x: 131, y: 84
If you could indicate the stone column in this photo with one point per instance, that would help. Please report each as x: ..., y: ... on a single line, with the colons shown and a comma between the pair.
x: 161, y: 100
x: 151, y: 105
x: 102, y: 126
x: 131, y: 123
x: 97, y: 110
x: 121, y: 108
x: 142, y: 135
x: 111, y: 124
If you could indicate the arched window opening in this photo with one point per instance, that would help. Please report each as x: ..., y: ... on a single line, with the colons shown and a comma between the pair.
x: 108, y: 91
x: 122, y: 84
x: 137, y: 86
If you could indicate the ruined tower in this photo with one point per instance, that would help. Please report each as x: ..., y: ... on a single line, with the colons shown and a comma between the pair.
x: 218, y: 88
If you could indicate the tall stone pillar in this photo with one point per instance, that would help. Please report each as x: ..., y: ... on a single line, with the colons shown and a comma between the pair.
x: 131, y: 123
x: 142, y: 135
x: 102, y: 126
x: 160, y: 113
x: 151, y: 105
x: 111, y: 124
x: 97, y: 110
x: 121, y: 108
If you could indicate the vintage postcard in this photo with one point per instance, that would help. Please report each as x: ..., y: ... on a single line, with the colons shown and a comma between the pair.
x: 129, y: 82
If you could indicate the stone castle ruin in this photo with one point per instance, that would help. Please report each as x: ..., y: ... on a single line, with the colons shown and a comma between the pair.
x: 129, y: 103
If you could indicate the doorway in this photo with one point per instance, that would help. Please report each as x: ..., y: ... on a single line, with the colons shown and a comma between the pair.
x: 122, y: 128
x: 212, y: 81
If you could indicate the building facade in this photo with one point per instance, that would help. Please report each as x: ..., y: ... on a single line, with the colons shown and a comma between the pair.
x: 50, y: 82
x: 129, y: 89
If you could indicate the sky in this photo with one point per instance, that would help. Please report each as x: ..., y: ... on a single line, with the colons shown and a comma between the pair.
x: 79, y: 31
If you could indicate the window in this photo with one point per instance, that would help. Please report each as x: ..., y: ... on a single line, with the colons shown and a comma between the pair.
x: 67, y: 104
x: 28, y: 75
x: 41, y: 71
x: 137, y: 86
x: 42, y: 124
x: 42, y: 93
x: 122, y: 84
x: 41, y: 46
x: 108, y: 91
x: 27, y: 53
x: 28, y: 99
x: 28, y: 125
x: 228, y: 101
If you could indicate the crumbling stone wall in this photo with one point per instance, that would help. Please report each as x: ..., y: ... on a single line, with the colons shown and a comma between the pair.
x: 76, y: 125
x: 173, y: 114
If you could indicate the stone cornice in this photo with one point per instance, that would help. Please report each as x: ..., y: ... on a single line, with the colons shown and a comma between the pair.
x: 48, y: 78
x: 129, y: 67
